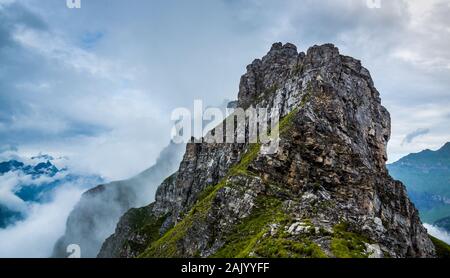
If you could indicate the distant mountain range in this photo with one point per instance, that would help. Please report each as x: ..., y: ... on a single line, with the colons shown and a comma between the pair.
x: 427, y: 177
x: 43, y: 168
x: 32, y: 182
x: 443, y: 223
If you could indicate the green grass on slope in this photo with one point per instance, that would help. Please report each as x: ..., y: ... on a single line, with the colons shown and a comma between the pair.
x: 166, y: 246
x: 345, y: 244
x: 144, y: 225
x: 442, y: 248
x: 252, y: 238
x: 244, y: 236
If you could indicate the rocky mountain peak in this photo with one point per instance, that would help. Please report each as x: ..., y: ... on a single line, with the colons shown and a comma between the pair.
x: 325, y: 193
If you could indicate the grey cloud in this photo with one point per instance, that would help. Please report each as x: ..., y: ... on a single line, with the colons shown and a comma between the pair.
x: 413, y: 135
x: 39, y: 95
x: 13, y: 16
x: 176, y: 51
x: 16, y: 242
x: 5, y: 148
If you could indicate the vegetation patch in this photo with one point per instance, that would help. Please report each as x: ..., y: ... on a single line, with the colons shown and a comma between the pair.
x: 267, y: 92
x: 242, y: 240
x: 252, y: 237
x: 442, y: 248
x: 345, y: 244
x: 306, y: 97
x: 145, y: 225
x: 242, y: 167
x: 285, y: 248
x: 287, y: 121
x: 166, y: 246
x: 298, y: 69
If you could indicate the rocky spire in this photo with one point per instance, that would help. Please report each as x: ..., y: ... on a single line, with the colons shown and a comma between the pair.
x: 325, y: 193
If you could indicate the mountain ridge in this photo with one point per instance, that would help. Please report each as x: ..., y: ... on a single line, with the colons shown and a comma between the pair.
x: 426, y: 176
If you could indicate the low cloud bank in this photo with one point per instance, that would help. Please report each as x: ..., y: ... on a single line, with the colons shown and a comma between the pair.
x: 438, y: 232
x: 34, y: 237
x: 43, y: 193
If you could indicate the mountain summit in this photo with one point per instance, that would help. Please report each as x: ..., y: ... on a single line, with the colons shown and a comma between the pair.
x: 325, y: 193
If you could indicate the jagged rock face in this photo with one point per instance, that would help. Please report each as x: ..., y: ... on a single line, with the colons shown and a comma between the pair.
x: 203, y: 165
x: 325, y: 193
x: 97, y: 213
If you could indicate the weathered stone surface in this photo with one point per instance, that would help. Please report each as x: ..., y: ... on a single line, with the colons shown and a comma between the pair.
x: 326, y: 192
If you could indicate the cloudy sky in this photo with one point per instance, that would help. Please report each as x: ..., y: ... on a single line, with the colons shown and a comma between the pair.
x: 98, y: 84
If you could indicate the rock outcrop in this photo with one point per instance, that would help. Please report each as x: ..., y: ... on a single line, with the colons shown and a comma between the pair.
x: 325, y: 192
x: 96, y: 215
